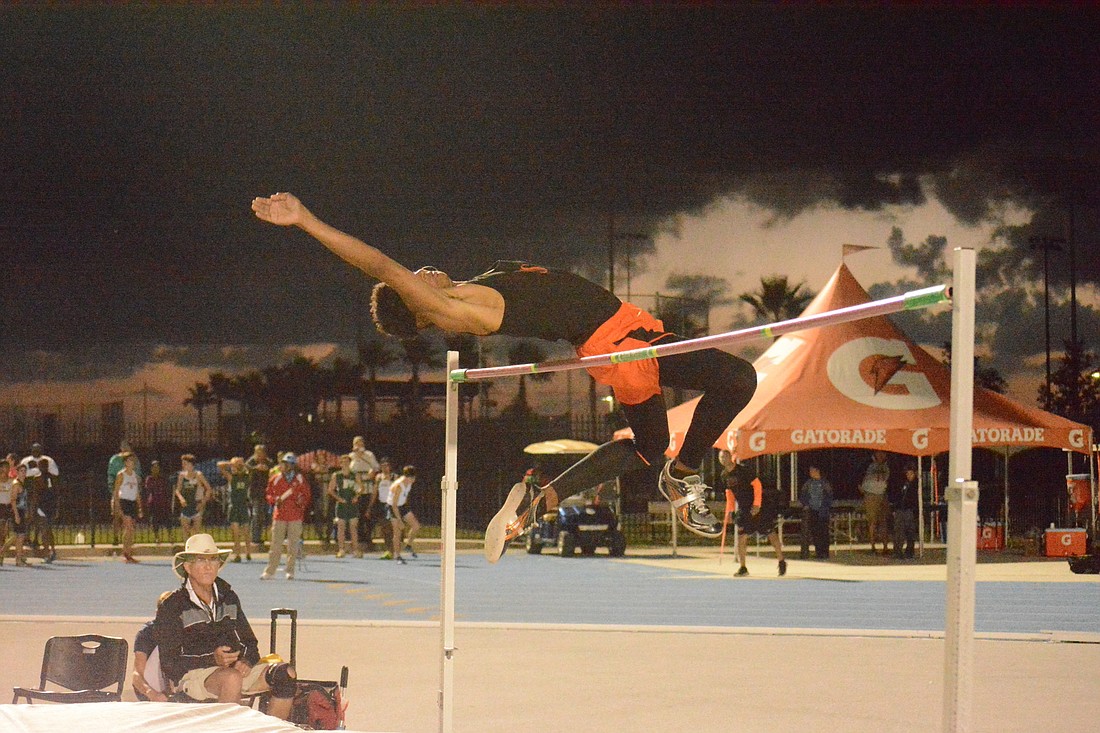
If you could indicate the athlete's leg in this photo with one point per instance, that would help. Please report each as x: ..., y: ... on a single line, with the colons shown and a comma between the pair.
x: 727, y: 382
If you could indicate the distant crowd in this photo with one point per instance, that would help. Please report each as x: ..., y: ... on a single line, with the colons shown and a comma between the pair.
x: 350, y: 499
x: 28, y: 504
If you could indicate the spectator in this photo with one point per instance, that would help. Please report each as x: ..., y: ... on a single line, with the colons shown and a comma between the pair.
x: 207, y: 648
x: 288, y: 492
x: 322, y: 506
x: 158, y: 502
x: 17, y: 501
x: 147, y: 679
x: 239, y: 478
x: 757, y: 510
x: 816, y: 497
x: 126, y: 503
x: 906, y: 500
x: 41, y: 497
x: 259, y: 467
x: 192, y: 493
x: 363, y: 461
x: 114, y: 465
x: 401, y: 516
x: 873, y: 487
x: 7, y: 478
x: 345, y: 488
x: 380, y: 513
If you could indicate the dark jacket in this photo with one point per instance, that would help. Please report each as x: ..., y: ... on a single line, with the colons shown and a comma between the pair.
x: 187, y: 635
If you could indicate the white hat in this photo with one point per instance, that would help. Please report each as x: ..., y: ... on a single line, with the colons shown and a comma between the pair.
x: 197, y: 545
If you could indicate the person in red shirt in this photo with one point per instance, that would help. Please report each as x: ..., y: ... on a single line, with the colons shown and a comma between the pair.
x: 288, y: 492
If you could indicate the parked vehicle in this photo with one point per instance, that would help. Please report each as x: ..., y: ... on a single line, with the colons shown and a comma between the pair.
x: 579, y: 523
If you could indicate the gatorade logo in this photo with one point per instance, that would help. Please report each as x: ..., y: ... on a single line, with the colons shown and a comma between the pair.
x: 758, y: 442
x: 1077, y: 438
x: 1067, y: 540
x: 920, y: 438
x: 880, y: 373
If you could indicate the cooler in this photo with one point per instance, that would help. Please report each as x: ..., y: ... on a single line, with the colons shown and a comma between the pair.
x: 1065, y: 542
x: 1079, y: 489
x: 991, y: 536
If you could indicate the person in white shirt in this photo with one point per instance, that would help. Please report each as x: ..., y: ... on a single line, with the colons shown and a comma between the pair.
x: 41, y: 487
x: 400, y: 515
x: 380, y: 512
x: 126, y: 503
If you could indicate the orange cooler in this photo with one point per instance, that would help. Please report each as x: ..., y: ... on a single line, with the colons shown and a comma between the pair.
x: 1065, y: 542
x: 991, y: 536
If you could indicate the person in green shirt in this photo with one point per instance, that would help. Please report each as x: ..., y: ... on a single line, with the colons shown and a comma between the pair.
x: 239, y: 478
x: 344, y: 488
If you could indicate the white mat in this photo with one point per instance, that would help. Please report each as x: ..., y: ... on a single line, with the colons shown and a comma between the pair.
x: 139, y: 717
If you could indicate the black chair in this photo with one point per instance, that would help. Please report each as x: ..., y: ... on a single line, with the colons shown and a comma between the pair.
x: 86, y: 666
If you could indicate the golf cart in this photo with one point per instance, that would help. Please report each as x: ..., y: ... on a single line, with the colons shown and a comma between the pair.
x: 580, y: 522
x: 586, y: 521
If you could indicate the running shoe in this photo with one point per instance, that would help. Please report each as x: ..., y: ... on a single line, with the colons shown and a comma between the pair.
x: 742, y: 572
x: 688, y: 497
x: 410, y: 550
x: 782, y: 568
x: 506, y: 525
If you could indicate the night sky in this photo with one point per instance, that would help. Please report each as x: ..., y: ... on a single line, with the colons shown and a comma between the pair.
x: 134, y: 138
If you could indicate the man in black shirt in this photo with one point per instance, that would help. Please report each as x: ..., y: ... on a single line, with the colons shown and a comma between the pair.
x: 207, y: 648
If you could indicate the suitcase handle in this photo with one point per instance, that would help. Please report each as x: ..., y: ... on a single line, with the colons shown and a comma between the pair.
x: 293, y: 614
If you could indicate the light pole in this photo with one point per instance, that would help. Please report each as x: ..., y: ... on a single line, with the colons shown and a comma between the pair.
x: 612, y: 237
x: 1047, y: 244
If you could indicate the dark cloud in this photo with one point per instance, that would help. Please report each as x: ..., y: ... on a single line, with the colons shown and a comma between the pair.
x: 135, y: 137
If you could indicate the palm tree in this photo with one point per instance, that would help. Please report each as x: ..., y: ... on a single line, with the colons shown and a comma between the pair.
x: 346, y: 378
x: 420, y: 351
x: 469, y: 350
x: 525, y: 351
x: 776, y: 300
x: 200, y: 397
x: 687, y: 311
x: 250, y: 389
x: 374, y: 355
x: 221, y: 386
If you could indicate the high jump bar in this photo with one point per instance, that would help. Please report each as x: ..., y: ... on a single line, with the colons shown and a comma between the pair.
x: 913, y: 300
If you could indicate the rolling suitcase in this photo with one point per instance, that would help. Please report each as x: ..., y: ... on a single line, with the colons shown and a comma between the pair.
x: 318, y: 704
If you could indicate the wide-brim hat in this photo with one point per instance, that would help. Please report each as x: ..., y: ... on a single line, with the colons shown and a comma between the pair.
x: 198, y: 545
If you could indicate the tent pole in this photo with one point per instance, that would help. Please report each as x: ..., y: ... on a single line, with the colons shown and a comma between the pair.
x: 920, y: 506
x: 962, y: 500
x: 1006, y: 499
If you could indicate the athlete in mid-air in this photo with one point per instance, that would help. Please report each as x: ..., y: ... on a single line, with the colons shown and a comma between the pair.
x: 523, y: 300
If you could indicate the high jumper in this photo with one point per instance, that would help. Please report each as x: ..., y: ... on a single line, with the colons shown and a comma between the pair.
x: 530, y: 301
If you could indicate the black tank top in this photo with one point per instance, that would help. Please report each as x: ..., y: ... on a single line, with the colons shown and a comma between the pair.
x: 548, y: 304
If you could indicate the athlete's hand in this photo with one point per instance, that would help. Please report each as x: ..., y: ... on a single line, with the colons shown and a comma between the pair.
x: 283, y: 209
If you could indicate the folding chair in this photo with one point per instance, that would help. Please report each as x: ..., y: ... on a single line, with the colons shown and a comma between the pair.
x: 84, y: 665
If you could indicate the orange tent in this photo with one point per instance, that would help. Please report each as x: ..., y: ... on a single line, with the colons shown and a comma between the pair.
x: 865, y: 384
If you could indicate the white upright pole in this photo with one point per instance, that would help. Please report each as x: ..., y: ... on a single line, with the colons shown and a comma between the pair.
x: 447, y: 555
x: 962, y: 505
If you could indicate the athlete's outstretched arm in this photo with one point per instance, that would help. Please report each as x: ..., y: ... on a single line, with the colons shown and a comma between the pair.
x: 284, y: 209
x: 421, y: 293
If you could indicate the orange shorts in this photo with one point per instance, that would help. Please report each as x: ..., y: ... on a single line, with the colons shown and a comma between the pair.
x: 633, y: 382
